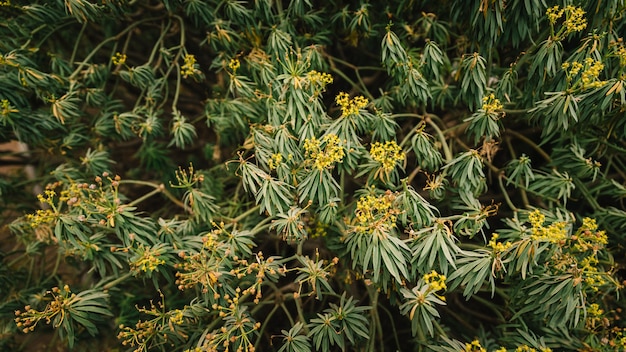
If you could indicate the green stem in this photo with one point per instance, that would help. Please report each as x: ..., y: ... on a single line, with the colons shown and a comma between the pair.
x: 505, y: 194
x: 160, y: 188
x: 266, y: 319
x: 523, y: 193
x: 80, y: 35
x: 393, y: 327
x: 376, y: 326
x: 298, y: 303
x: 145, y: 197
x: 245, y: 214
x: 117, y: 281
x: 588, y: 196
x: 530, y: 143
x: 105, y: 42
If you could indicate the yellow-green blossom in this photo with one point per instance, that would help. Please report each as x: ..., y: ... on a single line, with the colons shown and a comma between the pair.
x: 436, y: 281
x: 474, y: 346
x: 350, y: 106
x: 6, y: 108
x: 234, y: 65
x: 274, y: 161
x: 118, y: 59
x: 388, y: 154
x: 575, y: 20
x: 591, y: 73
x: 148, y: 260
x: 554, y: 232
x: 491, y: 104
x: 324, y: 153
x: 319, y: 78
x: 554, y: 13
x: 189, y: 66
x: 498, y: 246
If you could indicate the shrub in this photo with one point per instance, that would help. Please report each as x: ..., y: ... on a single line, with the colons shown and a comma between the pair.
x: 283, y: 175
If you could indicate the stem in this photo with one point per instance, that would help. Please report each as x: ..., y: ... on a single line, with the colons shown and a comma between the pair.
x: 530, y: 143
x: 393, y: 327
x: 522, y: 190
x: 505, y: 193
x: 144, y: 197
x: 80, y: 35
x: 106, y: 41
x: 117, y: 281
x: 588, y: 196
x: 266, y: 319
x: 298, y: 303
x: 376, y: 326
x: 159, y: 187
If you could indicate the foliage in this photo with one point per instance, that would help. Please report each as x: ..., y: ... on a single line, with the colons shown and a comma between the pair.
x: 286, y: 175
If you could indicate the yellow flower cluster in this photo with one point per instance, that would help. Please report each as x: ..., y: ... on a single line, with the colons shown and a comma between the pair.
x: 474, y: 347
x: 554, y: 233
x: 41, y: 216
x: 189, y: 67
x: 6, y: 108
x: 350, y: 106
x: 437, y: 282
x: 572, y: 69
x: 591, y: 73
x: 5, y: 3
x: 319, y: 78
x: 621, y: 53
x: 388, y: 154
x: 29, y: 318
x: 148, y: 261
x: 275, y: 160
x: 325, y: 152
x: 594, y: 316
x: 370, y: 208
x: 491, y: 104
x: 592, y: 276
x: 575, y: 20
x: 498, y: 246
x: 176, y: 317
x: 118, y: 59
x: 587, y: 238
x: 234, y: 65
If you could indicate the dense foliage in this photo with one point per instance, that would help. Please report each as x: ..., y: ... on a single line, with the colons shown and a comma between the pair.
x: 291, y: 175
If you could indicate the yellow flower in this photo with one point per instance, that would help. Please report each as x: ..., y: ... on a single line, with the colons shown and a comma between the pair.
x: 189, y: 66
x: 350, y: 106
x: 437, y: 282
x: 554, y: 13
x: 590, y: 75
x: 474, y: 347
x: 589, y: 224
x: 388, y: 154
x: 234, y: 64
x: 491, y: 104
x: 118, y: 59
x: 319, y: 78
x: 324, y: 153
x: 536, y: 218
x: 575, y: 20
x: 275, y: 160
x: 498, y: 246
